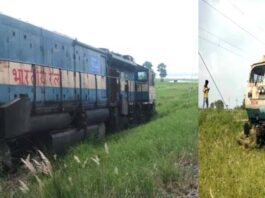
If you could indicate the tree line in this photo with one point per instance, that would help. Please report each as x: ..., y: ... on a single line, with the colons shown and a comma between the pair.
x: 218, y: 104
x: 161, y: 68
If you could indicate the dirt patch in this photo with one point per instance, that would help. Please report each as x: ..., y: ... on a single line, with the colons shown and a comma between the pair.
x: 187, y: 188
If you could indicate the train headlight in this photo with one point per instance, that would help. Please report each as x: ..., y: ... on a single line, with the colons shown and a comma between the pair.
x: 261, y: 90
x: 250, y: 94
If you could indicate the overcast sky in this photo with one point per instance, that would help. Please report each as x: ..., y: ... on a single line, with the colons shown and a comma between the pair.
x: 154, y: 30
x: 242, y: 36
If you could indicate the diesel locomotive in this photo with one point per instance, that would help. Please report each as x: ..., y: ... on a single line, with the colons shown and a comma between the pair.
x: 255, y: 102
x: 55, y: 87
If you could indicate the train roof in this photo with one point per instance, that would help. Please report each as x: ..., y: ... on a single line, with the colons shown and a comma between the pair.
x: 33, y: 29
x: 126, y: 62
x: 18, y: 23
x: 260, y: 62
x: 121, y: 58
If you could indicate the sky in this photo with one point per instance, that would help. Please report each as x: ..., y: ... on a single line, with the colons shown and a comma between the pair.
x: 151, y: 30
x: 229, y: 43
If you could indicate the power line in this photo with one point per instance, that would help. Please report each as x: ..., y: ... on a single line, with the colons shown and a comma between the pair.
x: 212, y: 78
x: 218, y: 45
x: 234, y: 22
x: 237, y: 8
x: 243, y: 13
x: 221, y: 39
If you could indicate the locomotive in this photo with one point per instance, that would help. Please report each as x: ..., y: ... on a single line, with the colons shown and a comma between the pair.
x: 255, y: 102
x: 56, y: 87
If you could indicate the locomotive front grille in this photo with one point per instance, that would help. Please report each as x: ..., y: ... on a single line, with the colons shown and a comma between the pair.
x: 261, y: 96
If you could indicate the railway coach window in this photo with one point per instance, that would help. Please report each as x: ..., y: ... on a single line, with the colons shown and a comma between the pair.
x: 142, y: 76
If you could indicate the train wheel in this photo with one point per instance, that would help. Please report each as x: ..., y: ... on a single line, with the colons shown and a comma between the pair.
x: 246, y: 129
x: 259, y: 137
x: 5, y: 156
x: 113, y: 123
x: 101, y: 131
x: 124, y: 122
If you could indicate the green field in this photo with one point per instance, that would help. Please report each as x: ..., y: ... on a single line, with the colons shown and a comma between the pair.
x: 227, y: 169
x: 155, y: 159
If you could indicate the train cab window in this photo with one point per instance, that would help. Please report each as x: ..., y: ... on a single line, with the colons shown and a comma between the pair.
x: 257, y: 74
x: 142, y: 76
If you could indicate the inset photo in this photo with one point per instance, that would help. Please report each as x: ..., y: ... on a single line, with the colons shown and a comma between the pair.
x: 231, y: 98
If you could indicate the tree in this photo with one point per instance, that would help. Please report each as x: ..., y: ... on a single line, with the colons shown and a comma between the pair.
x: 148, y: 65
x: 217, y: 105
x: 161, y: 68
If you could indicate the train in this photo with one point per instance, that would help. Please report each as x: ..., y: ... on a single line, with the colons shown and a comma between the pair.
x: 255, y: 103
x: 57, y: 88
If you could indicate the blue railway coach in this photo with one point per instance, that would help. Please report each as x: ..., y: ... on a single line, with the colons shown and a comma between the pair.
x: 57, y: 87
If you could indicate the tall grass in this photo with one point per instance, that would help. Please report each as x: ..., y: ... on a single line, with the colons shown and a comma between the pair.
x: 227, y: 169
x: 154, y: 159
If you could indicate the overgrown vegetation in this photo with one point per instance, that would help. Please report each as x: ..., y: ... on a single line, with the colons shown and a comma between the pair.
x: 225, y: 168
x: 158, y: 158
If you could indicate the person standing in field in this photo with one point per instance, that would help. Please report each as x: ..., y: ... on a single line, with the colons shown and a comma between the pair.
x: 206, y: 90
